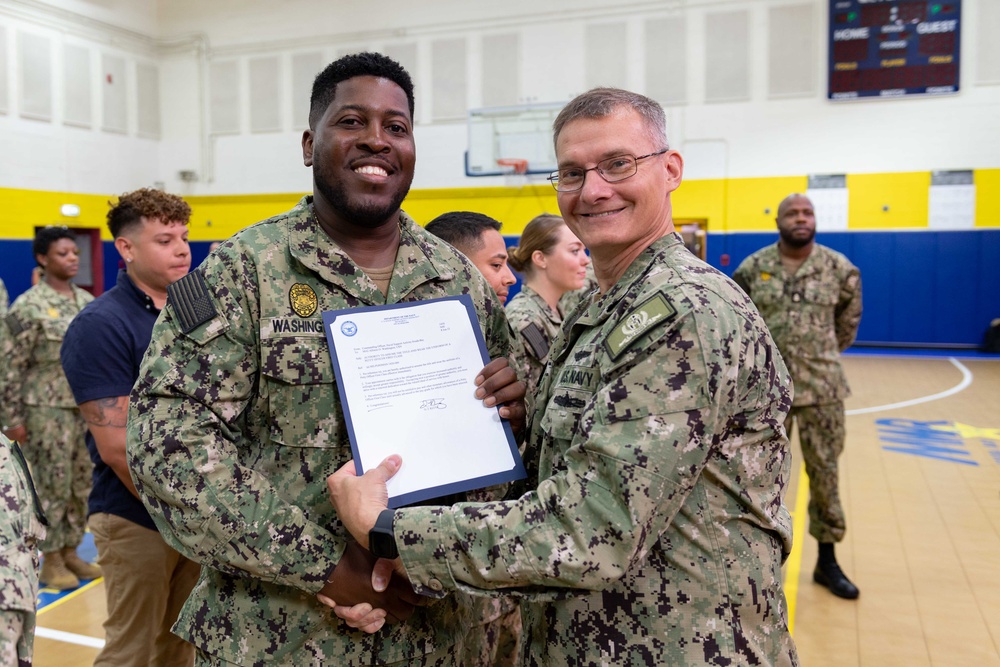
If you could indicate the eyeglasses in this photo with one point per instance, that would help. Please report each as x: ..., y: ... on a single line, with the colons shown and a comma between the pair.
x: 612, y: 170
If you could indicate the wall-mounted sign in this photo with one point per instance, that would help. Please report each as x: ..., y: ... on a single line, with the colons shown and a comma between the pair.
x: 891, y: 48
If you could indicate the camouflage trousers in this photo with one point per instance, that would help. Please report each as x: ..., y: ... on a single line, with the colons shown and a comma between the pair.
x: 821, y: 434
x: 62, y: 469
x: 496, y: 643
x: 17, y: 638
x: 442, y: 658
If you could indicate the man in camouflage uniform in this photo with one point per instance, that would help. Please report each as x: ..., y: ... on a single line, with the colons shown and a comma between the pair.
x: 21, y: 529
x: 38, y: 406
x: 657, y: 526
x: 810, y: 297
x: 235, y: 421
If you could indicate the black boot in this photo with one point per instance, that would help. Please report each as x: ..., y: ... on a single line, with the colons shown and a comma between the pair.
x: 829, y: 574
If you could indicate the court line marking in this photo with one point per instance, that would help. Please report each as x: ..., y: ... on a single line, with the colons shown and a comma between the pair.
x: 802, y: 495
x: 799, y: 515
x: 69, y: 637
x: 961, y: 386
x: 69, y: 596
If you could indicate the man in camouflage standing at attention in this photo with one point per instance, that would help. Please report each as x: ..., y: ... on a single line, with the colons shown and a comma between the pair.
x: 810, y: 297
x: 655, y: 521
x: 235, y: 421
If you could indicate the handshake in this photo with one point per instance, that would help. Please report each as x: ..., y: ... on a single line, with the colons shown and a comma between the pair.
x: 351, y: 593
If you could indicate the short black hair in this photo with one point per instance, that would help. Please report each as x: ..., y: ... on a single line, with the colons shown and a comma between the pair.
x: 462, y: 229
x: 356, y: 64
x: 46, y: 236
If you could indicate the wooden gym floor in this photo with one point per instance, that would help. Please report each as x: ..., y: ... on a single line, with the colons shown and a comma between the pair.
x: 920, y: 482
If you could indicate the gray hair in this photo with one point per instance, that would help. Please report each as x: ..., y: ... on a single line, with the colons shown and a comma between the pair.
x: 601, y: 102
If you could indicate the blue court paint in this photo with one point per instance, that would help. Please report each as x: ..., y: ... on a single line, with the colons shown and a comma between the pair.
x: 939, y: 440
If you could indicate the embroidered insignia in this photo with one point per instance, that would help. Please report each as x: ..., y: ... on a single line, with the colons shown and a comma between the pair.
x: 584, y: 378
x: 14, y: 324
x: 643, y: 318
x: 303, y: 299
x: 535, y: 337
x: 765, y: 276
x: 192, y: 304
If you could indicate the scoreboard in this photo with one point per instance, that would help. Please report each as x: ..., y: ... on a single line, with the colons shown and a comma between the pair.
x: 890, y: 48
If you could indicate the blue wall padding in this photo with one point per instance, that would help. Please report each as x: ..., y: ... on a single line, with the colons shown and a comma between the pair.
x: 16, y: 265
x: 920, y: 287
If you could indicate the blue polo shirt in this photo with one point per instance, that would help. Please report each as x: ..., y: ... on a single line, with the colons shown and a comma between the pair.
x: 101, y: 353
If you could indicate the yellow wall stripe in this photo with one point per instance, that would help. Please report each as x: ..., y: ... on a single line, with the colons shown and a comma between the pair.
x: 727, y: 205
x: 888, y: 201
x: 987, y: 197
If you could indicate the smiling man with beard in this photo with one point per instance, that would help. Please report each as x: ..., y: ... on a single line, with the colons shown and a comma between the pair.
x: 236, y: 421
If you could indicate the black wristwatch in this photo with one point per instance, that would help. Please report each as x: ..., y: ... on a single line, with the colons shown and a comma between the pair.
x: 381, y: 541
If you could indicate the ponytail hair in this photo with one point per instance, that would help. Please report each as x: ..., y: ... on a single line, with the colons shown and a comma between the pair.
x: 539, y: 234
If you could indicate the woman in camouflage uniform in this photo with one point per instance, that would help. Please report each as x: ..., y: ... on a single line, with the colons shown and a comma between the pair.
x: 40, y: 410
x: 554, y: 262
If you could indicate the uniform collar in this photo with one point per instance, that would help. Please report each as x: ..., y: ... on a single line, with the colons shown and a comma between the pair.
x: 415, y: 260
x: 809, y: 266
x: 552, y: 316
x: 619, y: 299
x: 51, y: 293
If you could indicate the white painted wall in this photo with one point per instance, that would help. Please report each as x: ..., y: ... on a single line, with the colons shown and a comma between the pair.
x: 755, y: 136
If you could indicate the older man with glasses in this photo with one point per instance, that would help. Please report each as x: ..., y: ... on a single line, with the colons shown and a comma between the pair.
x: 656, y: 531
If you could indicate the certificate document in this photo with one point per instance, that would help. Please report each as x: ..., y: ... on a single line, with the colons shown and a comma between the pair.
x: 406, y: 376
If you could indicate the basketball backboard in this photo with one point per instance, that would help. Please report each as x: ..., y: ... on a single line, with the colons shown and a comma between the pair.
x: 511, y: 133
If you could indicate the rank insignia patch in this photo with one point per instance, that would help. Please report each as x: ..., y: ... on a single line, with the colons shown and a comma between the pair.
x: 303, y: 299
x: 643, y: 318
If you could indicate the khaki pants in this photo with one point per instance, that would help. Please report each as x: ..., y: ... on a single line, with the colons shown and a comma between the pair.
x: 146, y: 583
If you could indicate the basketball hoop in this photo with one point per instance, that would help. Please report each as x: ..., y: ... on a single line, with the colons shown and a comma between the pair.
x: 513, y: 165
x: 514, y: 171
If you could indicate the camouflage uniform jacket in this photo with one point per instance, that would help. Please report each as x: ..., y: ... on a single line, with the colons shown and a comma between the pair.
x: 813, y: 316
x: 524, y: 310
x: 4, y: 299
x: 662, y: 469
x: 35, y: 326
x: 21, y: 528
x: 234, y: 425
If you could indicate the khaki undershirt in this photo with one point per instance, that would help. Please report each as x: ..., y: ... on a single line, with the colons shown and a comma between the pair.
x: 381, y: 277
x: 791, y: 265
